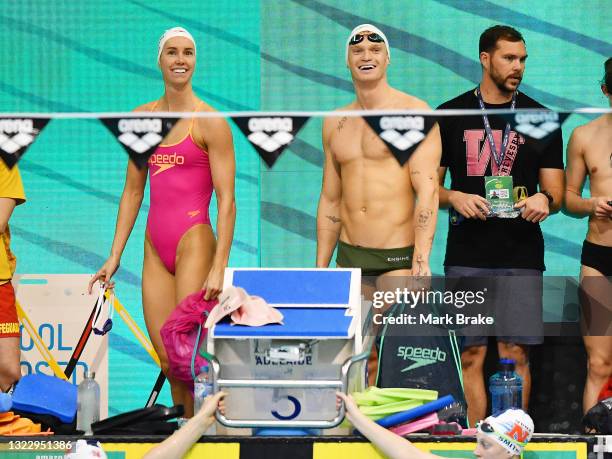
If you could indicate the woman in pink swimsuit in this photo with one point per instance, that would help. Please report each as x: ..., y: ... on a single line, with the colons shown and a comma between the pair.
x: 181, y: 255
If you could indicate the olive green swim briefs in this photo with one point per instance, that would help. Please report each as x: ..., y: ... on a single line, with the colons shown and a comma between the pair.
x: 373, y: 262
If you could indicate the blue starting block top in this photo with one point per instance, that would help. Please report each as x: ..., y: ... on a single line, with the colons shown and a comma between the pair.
x: 297, y: 323
x: 326, y: 288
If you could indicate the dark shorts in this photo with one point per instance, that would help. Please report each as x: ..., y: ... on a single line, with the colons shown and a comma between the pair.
x: 9, y: 324
x: 514, y: 296
x: 598, y: 257
x: 373, y: 262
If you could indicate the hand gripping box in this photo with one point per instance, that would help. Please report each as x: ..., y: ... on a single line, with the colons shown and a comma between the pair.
x: 287, y: 375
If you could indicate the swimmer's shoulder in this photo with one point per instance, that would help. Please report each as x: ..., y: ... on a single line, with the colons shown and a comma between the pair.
x: 409, y: 102
x: 580, y: 138
x: 148, y: 107
x: 331, y: 123
x: 586, y: 131
x: 584, y: 137
x: 209, y: 123
x: 202, y: 106
x: 597, y: 126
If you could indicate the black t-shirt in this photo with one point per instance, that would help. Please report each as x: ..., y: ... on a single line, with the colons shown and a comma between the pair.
x: 496, y: 242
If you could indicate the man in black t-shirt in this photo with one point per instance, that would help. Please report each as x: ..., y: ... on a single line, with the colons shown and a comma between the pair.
x: 506, y: 248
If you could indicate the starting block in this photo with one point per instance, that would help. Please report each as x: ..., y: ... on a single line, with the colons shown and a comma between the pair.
x: 286, y: 375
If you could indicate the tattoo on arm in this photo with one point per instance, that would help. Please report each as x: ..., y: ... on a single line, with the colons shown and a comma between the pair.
x: 423, y: 218
x: 419, y: 260
x: 333, y: 218
x: 341, y: 123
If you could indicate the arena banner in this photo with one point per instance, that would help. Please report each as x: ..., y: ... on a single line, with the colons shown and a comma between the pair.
x: 402, y: 133
x: 270, y: 135
x: 17, y: 135
x: 539, y: 127
x: 139, y: 137
x: 58, y: 306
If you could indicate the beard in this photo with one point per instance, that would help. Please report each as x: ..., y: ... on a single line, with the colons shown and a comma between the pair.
x: 502, y: 83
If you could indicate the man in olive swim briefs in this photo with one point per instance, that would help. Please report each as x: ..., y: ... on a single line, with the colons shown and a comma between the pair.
x: 368, y: 204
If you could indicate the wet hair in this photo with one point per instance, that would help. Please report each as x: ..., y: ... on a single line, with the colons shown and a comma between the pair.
x: 607, y: 79
x: 490, y: 37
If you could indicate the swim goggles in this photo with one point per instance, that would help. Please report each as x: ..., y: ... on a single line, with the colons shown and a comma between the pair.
x: 108, y: 324
x: 372, y: 36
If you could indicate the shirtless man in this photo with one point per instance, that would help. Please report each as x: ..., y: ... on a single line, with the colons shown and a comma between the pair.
x: 589, y: 152
x: 368, y: 201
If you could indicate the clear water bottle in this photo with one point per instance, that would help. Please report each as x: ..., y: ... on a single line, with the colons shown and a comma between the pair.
x: 506, y: 388
x: 88, y: 403
x: 202, y: 388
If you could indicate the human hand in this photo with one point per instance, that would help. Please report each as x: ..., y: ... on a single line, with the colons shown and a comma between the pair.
x: 602, y: 207
x: 535, y: 208
x: 350, y: 407
x: 469, y: 205
x: 211, y: 403
x: 105, y: 273
x: 213, y: 285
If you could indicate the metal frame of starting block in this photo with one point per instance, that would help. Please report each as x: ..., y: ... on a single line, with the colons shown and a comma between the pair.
x: 298, y: 365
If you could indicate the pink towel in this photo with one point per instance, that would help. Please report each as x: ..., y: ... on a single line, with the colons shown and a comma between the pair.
x: 244, y: 309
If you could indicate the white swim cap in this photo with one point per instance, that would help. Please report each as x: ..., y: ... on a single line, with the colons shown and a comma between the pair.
x: 512, y: 429
x: 171, y: 33
x: 86, y: 449
x: 367, y: 28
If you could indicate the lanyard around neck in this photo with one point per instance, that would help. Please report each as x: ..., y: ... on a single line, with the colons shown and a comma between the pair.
x: 497, y: 157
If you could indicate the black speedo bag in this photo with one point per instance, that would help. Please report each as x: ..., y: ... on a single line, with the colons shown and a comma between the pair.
x: 429, y: 361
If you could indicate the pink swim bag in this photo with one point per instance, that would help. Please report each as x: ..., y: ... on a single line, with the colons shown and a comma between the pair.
x: 183, y: 333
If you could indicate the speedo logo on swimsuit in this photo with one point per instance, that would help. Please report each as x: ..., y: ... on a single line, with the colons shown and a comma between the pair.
x: 279, y: 127
x: 421, y: 356
x: 412, y: 127
x: 165, y: 162
x: 537, y: 125
x: 16, y: 134
x: 140, y: 134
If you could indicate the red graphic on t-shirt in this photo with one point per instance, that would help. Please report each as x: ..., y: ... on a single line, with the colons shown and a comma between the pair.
x: 478, y: 157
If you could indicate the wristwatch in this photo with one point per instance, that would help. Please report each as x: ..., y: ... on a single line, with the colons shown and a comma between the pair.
x: 548, y: 196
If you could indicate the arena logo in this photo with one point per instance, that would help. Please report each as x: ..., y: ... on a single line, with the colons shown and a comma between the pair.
x: 270, y: 135
x: 401, y: 134
x: 412, y: 125
x: 280, y: 129
x: 149, y: 128
x: 537, y: 125
x: 17, y: 135
x: 421, y: 356
x: 139, y: 136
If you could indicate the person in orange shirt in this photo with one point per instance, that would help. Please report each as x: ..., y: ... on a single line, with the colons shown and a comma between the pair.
x: 11, y: 195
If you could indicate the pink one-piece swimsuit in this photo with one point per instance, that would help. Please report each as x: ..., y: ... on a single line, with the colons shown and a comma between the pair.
x: 180, y: 190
